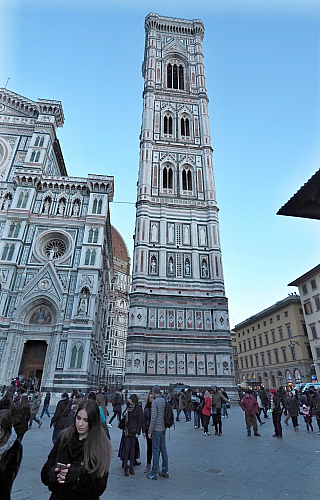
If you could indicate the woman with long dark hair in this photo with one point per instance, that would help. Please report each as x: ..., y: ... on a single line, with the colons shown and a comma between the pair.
x: 21, y: 417
x: 10, y: 454
x: 78, y: 464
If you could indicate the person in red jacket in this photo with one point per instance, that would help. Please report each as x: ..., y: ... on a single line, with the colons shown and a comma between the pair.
x: 250, y: 407
x: 206, y: 413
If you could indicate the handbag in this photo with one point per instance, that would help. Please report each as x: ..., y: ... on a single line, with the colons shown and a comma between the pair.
x: 122, y: 423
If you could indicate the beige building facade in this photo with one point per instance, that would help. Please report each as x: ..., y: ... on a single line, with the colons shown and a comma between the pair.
x: 273, y: 346
x: 309, y: 289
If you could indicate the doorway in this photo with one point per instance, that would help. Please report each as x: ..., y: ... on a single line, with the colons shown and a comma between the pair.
x: 32, y: 360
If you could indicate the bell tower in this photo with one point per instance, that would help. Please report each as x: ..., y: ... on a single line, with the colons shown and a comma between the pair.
x: 178, y: 321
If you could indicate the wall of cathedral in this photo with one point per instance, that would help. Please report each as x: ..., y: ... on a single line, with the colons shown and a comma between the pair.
x: 55, y: 253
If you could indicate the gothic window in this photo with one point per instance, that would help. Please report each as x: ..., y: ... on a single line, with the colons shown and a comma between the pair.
x: 37, y: 141
x: 93, y: 257
x: 33, y: 154
x: 167, y: 178
x: 14, y: 230
x: 90, y: 237
x: 186, y: 180
x: 11, y: 229
x: 5, y: 252
x: 97, y: 206
x: 76, y: 356
x: 87, y: 258
x: 175, y: 76
x: 22, y: 200
x: 95, y: 236
x: 41, y: 141
x: 185, y: 127
x: 37, y: 158
x: 167, y: 125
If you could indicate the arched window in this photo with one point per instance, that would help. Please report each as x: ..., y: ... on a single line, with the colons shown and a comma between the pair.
x: 90, y: 237
x: 11, y: 250
x: 167, y: 178
x: 93, y: 257
x: 167, y: 125
x: 37, y: 158
x: 87, y: 258
x: 33, y: 154
x: 11, y: 229
x: 37, y: 141
x: 175, y: 76
x: 76, y: 356
x: 22, y: 200
x: 99, y: 210
x: 41, y: 141
x: 95, y: 236
x: 186, y: 180
x: 5, y: 252
x: 94, y: 206
x: 169, y: 76
x: 16, y: 230
x: 185, y: 128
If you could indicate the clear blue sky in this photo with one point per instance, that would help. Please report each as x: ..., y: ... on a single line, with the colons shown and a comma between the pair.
x: 262, y: 67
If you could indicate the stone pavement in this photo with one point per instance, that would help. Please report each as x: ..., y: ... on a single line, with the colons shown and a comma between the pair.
x: 233, y: 466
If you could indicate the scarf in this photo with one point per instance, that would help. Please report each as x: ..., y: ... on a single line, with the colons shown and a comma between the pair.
x: 129, y: 409
x: 9, y: 443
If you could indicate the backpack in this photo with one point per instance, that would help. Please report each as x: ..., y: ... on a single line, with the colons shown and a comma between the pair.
x: 168, y: 416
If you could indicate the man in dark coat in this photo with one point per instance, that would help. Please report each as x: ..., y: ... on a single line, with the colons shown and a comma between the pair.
x: 276, y: 410
x: 46, y: 403
x: 265, y: 401
x: 117, y: 407
x: 59, y: 418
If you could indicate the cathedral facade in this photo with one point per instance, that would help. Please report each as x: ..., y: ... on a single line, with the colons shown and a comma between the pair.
x: 56, y: 261
x: 178, y: 319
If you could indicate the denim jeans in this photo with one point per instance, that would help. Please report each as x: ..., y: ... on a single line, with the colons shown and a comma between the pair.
x: 196, y: 419
x: 45, y: 409
x: 159, y: 446
x: 33, y: 418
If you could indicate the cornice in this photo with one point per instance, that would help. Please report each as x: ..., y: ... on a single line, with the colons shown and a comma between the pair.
x: 31, y: 108
x: 173, y: 25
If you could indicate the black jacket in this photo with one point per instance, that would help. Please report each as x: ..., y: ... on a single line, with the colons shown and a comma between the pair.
x: 146, y: 418
x: 134, y: 423
x: 21, y: 417
x: 79, y: 485
x: 9, y: 467
x: 60, y: 415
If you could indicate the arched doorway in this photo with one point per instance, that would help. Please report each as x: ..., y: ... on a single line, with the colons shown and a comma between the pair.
x: 32, y: 361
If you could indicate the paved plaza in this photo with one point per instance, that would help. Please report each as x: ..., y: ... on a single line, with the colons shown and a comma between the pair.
x: 233, y: 466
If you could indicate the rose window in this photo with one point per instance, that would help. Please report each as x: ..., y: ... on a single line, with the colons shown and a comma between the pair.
x: 55, y: 248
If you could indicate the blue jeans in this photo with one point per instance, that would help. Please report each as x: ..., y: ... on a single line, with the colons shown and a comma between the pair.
x: 45, y: 409
x: 159, y: 446
x: 224, y: 411
x: 196, y: 419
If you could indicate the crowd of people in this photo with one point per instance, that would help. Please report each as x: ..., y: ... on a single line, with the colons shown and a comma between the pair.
x: 280, y: 402
x: 78, y: 464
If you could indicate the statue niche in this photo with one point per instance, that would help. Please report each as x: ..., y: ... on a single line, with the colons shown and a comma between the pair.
x: 83, y: 305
